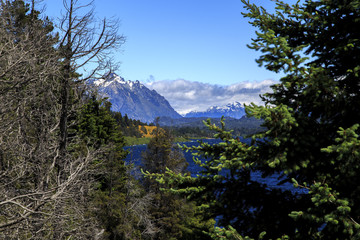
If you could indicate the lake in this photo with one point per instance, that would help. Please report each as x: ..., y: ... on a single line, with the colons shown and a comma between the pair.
x: 272, y: 181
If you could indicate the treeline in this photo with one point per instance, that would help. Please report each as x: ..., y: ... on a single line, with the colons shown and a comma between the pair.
x: 187, y: 127
x: 130, y: 127
x: 195, y: 127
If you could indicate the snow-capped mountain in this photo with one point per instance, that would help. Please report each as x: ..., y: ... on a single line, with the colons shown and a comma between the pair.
x: 234, y: 110
x: 134, y: 99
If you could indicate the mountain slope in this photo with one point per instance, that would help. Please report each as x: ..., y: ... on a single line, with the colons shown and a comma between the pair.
x: 234, y: 110
x: 134, y: 99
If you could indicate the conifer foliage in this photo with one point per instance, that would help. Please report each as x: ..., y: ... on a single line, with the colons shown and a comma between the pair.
x: 174, y: 217
x: 311, y: 115
x: 99, y: 131
x: 311, y: 137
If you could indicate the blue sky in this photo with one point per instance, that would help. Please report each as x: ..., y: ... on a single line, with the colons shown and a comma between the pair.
x: 196, y: 41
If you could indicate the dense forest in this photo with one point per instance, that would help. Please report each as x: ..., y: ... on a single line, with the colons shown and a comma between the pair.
x: 195, y: 127
x: 130, y: 127
x: 183, y: 128
x: 62, y: 169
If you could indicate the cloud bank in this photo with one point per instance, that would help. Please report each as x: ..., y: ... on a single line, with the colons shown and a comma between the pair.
x: 185, y: 96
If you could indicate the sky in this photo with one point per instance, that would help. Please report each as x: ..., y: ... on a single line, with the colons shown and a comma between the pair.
x: 181, y: 48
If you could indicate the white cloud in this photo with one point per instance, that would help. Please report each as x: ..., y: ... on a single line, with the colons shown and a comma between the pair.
x: 185, y: 96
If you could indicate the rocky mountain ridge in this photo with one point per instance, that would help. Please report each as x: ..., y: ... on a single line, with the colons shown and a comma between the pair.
x: 133, y: 98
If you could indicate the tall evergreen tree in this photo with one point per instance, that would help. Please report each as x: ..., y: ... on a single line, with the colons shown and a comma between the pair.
x: 98, y: 130
x: 173, y: 216
x: 118, y: 200
x: 312, y: 131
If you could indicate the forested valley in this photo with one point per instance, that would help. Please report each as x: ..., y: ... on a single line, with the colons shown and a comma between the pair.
x: 62, y: 169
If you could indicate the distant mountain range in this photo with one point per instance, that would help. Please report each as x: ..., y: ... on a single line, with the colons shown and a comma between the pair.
x: 140, y: 103
x: 233, y: 110
x: 134, y: 99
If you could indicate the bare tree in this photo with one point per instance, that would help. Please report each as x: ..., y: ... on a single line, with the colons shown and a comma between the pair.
x: 88, y: 44
x: 85, y: 45
x: 44, y: 179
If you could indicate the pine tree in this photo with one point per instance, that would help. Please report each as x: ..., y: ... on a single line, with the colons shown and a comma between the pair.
x: 99, y: 131
x: 118, y: 201
x: 315, y: 115
x: 173, y: 216
x: 311, y: 137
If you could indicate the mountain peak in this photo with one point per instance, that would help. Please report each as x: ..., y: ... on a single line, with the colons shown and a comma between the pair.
x: 133, y: 98
x: 113, y: 77
x: 234, y: 110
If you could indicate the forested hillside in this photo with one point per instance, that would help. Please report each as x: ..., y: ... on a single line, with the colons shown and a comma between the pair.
x: 195, y: 127
x: 131, y: 127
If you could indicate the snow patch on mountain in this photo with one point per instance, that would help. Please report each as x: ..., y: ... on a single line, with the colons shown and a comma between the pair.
x: 234, y: 110
x: 133, y: 98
